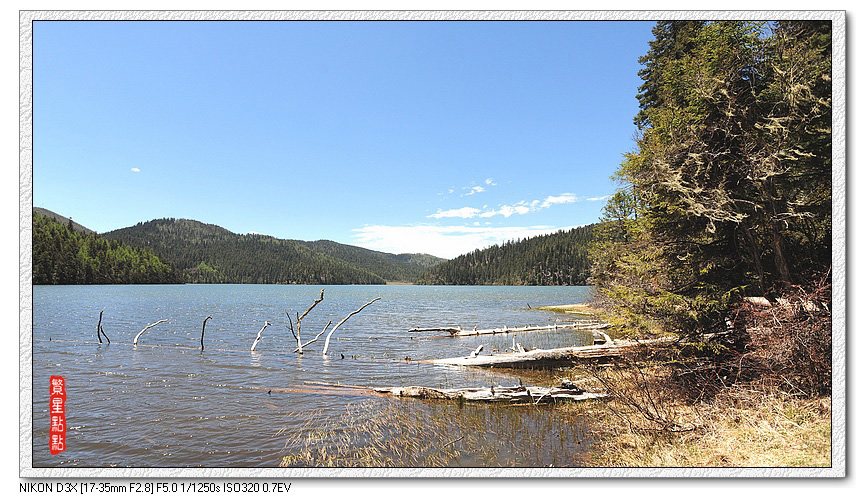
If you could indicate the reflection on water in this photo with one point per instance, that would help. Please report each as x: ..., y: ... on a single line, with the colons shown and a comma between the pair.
x: 166, y: 403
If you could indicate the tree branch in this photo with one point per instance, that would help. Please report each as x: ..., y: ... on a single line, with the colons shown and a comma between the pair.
x: 314, y: 339
x: 204, y: 324
x: 327, y: 339
x: 258, y: 338
x: 135, y: 341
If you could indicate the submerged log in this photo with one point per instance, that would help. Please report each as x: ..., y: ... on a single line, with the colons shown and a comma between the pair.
x: 496, y: 394
x: 551, y: 358
x: 450, y: 330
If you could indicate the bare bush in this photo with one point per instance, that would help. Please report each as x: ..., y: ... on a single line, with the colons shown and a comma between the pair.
x: 788, y: 346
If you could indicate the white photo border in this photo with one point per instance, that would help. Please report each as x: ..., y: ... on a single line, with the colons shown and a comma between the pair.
x: 839, y: 345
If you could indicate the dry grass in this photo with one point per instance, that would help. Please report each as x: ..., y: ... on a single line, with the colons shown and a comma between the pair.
x: 575, y: 309
x: 737, y: 428
x: 412, y: 433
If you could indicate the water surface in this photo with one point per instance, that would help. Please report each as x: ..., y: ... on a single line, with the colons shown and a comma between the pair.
x: 165, y: 403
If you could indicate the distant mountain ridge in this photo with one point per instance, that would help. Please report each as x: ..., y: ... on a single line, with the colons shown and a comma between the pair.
x: 559, y: 258
x: 207, y: 253
x: 391, y: 267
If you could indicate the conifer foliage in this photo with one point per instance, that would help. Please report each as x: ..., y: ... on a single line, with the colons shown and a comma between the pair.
x: 63, y: 255
x: 728, y: 192
x: 556, y: 259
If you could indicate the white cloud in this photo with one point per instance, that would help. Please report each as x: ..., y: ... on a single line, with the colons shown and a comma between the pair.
x: 473, y: 190
x: 135, y: 170
x: 466, y: 212
x: 442, y: 241
x: 560, y: 199
x: 508, y: 210
x: 490, y: 182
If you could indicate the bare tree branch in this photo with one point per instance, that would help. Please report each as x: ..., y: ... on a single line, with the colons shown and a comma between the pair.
x: 100, y: 331
x: 258, y: 338
x: 314, y: 303
x: 307, y: 343
x: 135, y: 341
x: 204, y: 324
x: 327, y: 339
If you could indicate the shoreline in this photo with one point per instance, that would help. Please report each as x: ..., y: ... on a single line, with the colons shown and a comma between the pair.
x: 571, y: 309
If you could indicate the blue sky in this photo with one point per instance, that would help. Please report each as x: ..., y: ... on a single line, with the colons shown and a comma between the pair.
x: 437, y: 137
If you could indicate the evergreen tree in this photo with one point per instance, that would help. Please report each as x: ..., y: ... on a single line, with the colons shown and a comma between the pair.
x: 728, y: 191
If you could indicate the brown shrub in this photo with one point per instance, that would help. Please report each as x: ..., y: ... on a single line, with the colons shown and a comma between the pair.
x: 787, y: 346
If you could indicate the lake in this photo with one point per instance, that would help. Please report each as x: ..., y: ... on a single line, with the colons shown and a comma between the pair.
x: 165, y: 403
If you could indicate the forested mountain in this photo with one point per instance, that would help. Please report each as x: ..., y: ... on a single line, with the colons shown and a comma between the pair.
x: 62, y: 220
x: 729, y: 191
x: 64, y: 255
x: 560, y: 258
x: 391, y: 267
x: 211, y: 254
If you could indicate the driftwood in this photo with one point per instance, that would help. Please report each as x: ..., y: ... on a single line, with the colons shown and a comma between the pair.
x: 329, y: 334
x: 496, y: 394
x: 99, y: 331
x: 458, y: 331
x: 258, y: 337
x: 550, y: 358
x: 135, y: 341
x: 204, y: 324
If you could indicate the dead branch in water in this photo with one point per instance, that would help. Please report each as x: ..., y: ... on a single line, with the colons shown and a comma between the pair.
x: 300, y: 320
x: 258, y: 337
x: 327, y: 339
x: 135, y: 341
x: 294, y: 334
x: 99, y: 326
x: 99, y: 331
x: 202, y: 330
x: 307, y: 343
x: 314, y: 303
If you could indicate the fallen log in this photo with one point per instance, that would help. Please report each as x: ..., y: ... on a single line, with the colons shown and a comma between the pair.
x: 495, y: 394
x: 458, y: 331
x: 551, y: 358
